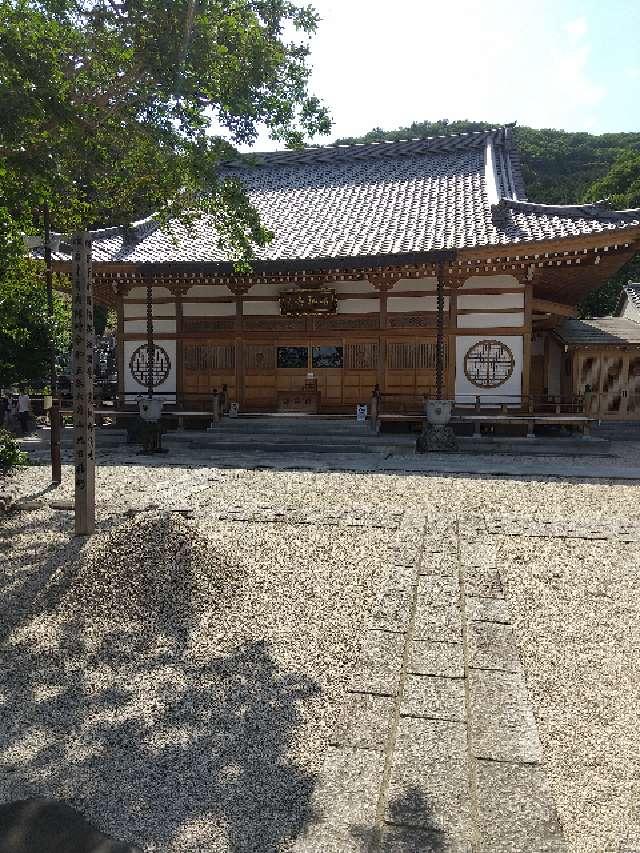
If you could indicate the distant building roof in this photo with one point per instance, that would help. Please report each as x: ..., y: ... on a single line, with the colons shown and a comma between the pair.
x: 381, y: 198
x: 599, y: 331
x: 630, y: 292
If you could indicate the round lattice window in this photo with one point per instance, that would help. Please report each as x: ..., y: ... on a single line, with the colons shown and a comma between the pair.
x: 488, y: 364
x: 139, y: 365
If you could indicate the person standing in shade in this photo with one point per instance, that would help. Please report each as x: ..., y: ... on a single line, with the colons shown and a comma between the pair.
x: 24, y: 410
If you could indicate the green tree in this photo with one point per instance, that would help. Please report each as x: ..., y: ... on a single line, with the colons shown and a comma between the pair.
x: 621, y: 185
x: 111, y: 110
x: 25, y: 329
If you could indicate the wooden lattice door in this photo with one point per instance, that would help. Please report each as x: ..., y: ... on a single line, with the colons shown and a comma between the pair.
x: 613, y: 397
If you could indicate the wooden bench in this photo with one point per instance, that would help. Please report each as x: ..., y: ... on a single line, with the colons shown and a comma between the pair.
x: 582, y: 422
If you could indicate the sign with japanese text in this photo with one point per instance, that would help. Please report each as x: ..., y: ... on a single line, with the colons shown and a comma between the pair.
x: 299, y: 302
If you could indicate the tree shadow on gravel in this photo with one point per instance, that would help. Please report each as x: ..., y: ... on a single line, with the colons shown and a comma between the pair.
x: 27, y: 573
x: 154, y: 740
x: 408, y: 828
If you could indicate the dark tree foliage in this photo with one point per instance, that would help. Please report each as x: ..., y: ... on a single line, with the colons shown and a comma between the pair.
x: 112, y: 110
x: 560, y: 168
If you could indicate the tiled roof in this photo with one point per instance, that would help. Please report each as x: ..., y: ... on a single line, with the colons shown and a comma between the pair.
x: 600, y: 331
x: 630, y: 291
x: 377, y: 199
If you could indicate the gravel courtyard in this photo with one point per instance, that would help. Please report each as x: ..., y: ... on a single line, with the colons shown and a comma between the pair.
x: 187, y: 677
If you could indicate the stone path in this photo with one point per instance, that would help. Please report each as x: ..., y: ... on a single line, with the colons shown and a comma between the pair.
x: 437, y: 749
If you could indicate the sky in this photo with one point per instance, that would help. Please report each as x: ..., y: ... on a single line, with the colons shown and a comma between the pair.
x: 543, y: 63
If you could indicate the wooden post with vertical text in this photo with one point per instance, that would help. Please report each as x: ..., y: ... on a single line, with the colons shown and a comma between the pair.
x: 83, y: 377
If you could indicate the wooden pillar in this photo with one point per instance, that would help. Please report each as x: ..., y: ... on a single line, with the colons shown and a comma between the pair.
x: 150, y: 345
x: 239, y: 353
x: 440, y: 334
x: 526, y: 341
x: 83, y: 376
x: 451, y: 339
x: 120, y: 350
x: 382, y: 347
x: 179, y: 352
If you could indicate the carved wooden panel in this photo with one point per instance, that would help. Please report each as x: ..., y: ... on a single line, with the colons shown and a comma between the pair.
x: 401, y: 355
x: 274, y: 323
x: 426, y: 355
x: 346, y: 322
x: 361, y: 356
x: 633, y: 386
x: 612, y: 383
x: 207, y: 324
x: 205, y: 357
x: 589, y: 374
x: 425, y: 319
x: 260, y: 357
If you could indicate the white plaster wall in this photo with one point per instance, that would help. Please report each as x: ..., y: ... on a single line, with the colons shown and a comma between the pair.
x: 352, y: 287
x: 134, y: 312
x: 211, y: 291
x: 415, y: 303
x: 554, y: 377
x: 133, y: 388
x: 260, y: 308
x: 209, y: 309
x: 266, y: 289
x: 482, y: 281
x: 490, y: 321
x: 358, y: 306
x: 466, y: 391
x: 158, y: 326
x: 416, y: 284
x: 141, y: 292
x: 497, y: 300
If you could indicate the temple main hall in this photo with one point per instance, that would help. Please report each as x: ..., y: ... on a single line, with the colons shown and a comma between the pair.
x: 389, y: 260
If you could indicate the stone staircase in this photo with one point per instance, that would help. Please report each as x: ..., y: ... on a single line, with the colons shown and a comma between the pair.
x: 297, y: 434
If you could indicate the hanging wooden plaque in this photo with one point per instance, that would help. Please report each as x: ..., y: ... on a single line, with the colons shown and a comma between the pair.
x: 296, y: 303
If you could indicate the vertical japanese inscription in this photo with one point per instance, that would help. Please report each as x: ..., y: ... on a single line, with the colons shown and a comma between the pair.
x: 83, y: 377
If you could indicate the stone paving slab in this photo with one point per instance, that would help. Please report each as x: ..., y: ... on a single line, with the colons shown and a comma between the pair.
x: 400, y: 839
x: 392, y: 611
x: 434, y: 697
x: 364, y: 721
x: 345, y: 798
x: 380, y: 664
x: 428, y: 785
x: 437, y: 590
x: 439, y: 623
x: 443, y: 659
x: 483, y: 582
x: 493, y: 646
x: 516, y: 814
x: 503, y: 727
x: 487, y: 610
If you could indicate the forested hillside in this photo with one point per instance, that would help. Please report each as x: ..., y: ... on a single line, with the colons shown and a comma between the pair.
x: 560, y: 167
